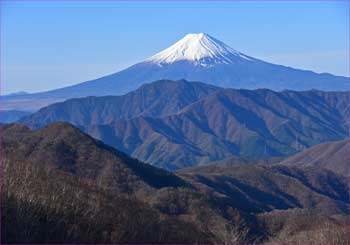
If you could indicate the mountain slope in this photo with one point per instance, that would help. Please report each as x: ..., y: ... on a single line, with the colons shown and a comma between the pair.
x: 330, y: 155
x: 208, y: 126
x: 64, y: 147
x: 292, y: 205
x: 156, y: 99
x: 196, y: 57
x: 259, y: 188
x: 62, y: 186
x: 257, y: 123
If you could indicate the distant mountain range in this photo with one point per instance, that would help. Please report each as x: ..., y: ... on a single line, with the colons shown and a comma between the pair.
x: 196, y: 57
x: 174, y: 124
x: 157, y: 99
x: 62, y: 186
x: 12, y: 115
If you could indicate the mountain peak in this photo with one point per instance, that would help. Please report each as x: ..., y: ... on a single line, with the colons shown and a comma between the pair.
x: 200, y: 48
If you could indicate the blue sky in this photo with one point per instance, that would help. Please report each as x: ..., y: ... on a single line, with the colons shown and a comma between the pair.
x: 48, y: 44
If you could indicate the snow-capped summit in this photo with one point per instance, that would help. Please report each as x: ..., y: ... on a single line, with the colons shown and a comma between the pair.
x: 201, y: 48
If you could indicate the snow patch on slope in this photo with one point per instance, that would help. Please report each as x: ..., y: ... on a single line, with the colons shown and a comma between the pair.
x: 201, y: 49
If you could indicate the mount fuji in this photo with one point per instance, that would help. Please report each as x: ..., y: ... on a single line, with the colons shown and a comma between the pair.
x: 196, y: 57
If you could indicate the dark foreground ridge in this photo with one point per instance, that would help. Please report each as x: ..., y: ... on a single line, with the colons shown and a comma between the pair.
x: 62, y: 186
